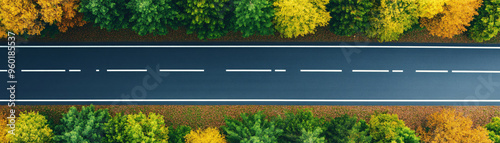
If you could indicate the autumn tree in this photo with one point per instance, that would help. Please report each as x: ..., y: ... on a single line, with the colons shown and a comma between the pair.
x: 136, y: 128
x: 388, y: 128
x: 295, y: 18
x: 430, y: 8
x: 487, y: 23
x: 208, y: 135
x: 450, y: 126
x: 31, y: 127
x: 390, y: 18
x: 4, y: 129
x: 107, y: 14
x: 20, y: 17
x: 70, y: 15
x: 209, y: 19
x: 349, y: 16
x: 454, y: 18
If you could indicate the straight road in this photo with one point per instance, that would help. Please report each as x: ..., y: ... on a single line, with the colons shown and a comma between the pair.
x: 262, y: 74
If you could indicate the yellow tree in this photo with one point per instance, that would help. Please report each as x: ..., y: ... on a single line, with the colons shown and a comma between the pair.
x: 4, y: 138
x: 450, y: 126
x: 51, y: 10
x: 209, y: 135
x: 20, y: 16
x: 70, y: 15
x: 429, y: 8
x: 456, y: 15
x: 300, y: 17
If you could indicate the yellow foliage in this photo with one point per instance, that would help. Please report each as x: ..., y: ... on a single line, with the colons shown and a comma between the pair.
x: 429, y: 8
x: 70, y: 17
x: 300, y: 17
x: 51, y: 10
x: 20, y: 16
x: 4, y: 129
x: 209, y: 135
x: 449, y: 126
x: 456, y: 15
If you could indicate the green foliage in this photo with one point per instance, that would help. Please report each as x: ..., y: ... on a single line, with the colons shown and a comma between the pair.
x: 487, y: 24
x: 390, y: 18
x: 359, y: 133
x: 254, y: 16
x: 31, y: 127
x: 108, y: 14
x: 152, y: 16
x: 494, y: 129
x: 253, y: 128
x: 311, y: 136
x: 137, y: 128
x: 82, y: 127
x: 388, y: 128
x: 208, y: 18
x: 349, y: 16
x: 292, y: 124
x: 295, y: 18
x: 337, y: 130
x: 177, y: 135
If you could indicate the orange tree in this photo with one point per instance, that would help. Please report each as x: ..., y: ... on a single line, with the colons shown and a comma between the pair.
x: 450, y: 126
x: 20, y: 17
x: 70, y: 16
x: 453, y: 19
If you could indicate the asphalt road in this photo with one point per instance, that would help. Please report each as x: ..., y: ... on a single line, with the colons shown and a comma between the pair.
x: 311, y: 75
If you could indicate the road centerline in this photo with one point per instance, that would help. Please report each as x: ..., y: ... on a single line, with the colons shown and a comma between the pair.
x: 45, y: 70
x: 248, y: 70
x: 431, y: 71
x: 370, y: 70
x: 126, y: 70
x: 320, y: 70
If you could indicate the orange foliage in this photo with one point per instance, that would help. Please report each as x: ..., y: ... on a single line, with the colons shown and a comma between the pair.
x: 450, y: 126
x: 51, y: 10
x: 457, y: 15
x: 70, y: 17
x: 20, y: 16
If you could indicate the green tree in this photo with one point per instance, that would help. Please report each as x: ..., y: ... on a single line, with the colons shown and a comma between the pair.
x: 360, y: 133
x: 388, y: 128
x: 337, y: 130
x: 177, y: 135
x: 207, y: 18
x: 152, y: 16
x: 390, y: 18
x: 295, y: 18
x: 311, y: 136
x: 137, y: 128
x: 114, y: 128
x: 253, y: 128
x: 254, y: 16
x: 292, y: 124
x: 108, y: 14
x: 31, y: 127
x: 82, y: 126
x: 349, y: 16
x: 494, y: 129
x: 487, y: 24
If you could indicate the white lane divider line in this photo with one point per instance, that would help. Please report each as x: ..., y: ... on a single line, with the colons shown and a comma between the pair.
x: 370, y: 70
x: 319, y: 70
x: 279, y: 70
x: 58, y: 70
x: 126, y: 70
x: 182, y: 70
x: 432, y: 71
x: 96, y: 70
x: 248, y: 70
x: 397, y: 70
x: 74, y: 70
x: 3, y: 70
x: 473, y: 71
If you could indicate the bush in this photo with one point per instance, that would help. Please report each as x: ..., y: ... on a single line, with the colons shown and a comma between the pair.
x: 453, y: 19
x: 391, y: 18
x: 359, y: 133
x: 349, y: 16
x: 207, y: 18
x: 450, y: 126
x: 84, y: 126
x: 254, y: 16
x: 487, y: 24
x: 388, y: 128
x: 311, y: 136
x: 108, y: 14
x: 292, y: 125
x: 494, y: 129
x: 31, y: 127
x: 137, y: 128
x: 295, y: 18
x: 252, y: 128
x: 152, y: 16
x: 337, y: 130
x: 177, y: 135
x: 209, y: 135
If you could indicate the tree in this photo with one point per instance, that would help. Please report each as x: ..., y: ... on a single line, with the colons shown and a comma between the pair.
x: 31, y: 127
x: 207, y: 18
x: 430, y: 8
x: 337, y: 130
x: 494, y: 129
x: 108, y: 14
x: 177, y: 135
x: 254, y: 16
x: 450, y: 126
x: 137, y: 128
x: 51, y: 10
x: 311, y: 136
x: 390, y: 18
x: 295, y: 18
x: 208, y: 135
x: 86, y: 125
x: 360, y: 133
x: 70, y: 16
x: 292, y: 125
x: 152, y: 16
x: 20, y: 17
x: 4, y: 129
x: 349, y: 16
x: 487, y: 23
x: 388, y: 128
x: 253, y: 128
x: 453, y: 20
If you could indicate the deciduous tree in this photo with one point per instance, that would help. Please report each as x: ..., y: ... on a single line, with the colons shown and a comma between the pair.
x: 137, y: 128
x: 295, y: 18
x: 208, y: 135
x: 152, y: 16
x: 390, y: 18
x: 349, y: 16
x: 487, y: 23
x: 21, y: 17
x: 254, y: 17
x: 494, y: 129
x: 31, y: 127
x: 252, y: 128
x: 107, y: 14
x: 70, y: 16
x: 86, y: 125
x: 388, y: 128
x: 209, y: 19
